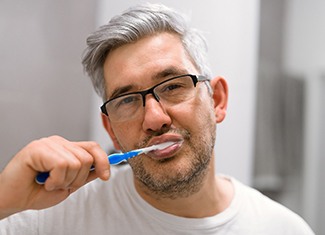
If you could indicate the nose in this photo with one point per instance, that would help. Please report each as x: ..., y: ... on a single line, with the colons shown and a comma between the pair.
x: 155, y: 117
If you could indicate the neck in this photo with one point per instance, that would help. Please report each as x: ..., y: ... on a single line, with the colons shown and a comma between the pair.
x: 213, y: 196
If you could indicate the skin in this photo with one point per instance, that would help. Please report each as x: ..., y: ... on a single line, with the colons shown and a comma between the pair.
x: 69, y: 162
x: 184, y: 182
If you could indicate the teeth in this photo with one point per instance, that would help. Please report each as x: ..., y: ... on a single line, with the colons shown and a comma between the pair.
x: 165, y: 145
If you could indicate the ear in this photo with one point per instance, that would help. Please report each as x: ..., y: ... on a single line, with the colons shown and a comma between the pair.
x: 108, y: 128
x: 220, y: 97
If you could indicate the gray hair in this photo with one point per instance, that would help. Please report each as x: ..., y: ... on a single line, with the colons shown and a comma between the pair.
x: 134, y: 24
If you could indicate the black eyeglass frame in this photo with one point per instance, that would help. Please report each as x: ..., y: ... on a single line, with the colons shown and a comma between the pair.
x: 195, y: 80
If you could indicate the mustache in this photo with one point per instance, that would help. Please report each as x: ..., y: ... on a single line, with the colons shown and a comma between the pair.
x: 182, y: 132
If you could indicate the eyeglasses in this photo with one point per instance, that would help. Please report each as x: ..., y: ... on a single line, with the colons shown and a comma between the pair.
x: 169, y: 92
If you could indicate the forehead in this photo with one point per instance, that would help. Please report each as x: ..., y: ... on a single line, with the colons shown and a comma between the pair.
x: 139, y: 64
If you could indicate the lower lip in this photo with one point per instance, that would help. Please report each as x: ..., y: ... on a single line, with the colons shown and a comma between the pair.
x: 166, y: 152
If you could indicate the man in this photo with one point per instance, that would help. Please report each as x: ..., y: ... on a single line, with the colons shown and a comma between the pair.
x: 150, y: 69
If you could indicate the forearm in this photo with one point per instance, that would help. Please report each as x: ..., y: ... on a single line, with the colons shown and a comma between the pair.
x: 5, y: 212
x: 5, y: 208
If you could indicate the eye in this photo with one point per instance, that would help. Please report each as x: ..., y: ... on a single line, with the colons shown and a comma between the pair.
x: 170, y: 87
x: 127, y: 101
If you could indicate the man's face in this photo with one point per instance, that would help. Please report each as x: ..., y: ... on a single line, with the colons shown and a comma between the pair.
x: 191, y: 124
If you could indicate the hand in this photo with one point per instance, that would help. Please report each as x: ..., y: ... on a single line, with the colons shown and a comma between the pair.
x: 68, y: 164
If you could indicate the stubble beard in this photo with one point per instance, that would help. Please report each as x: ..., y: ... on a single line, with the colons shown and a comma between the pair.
x: 185, y: 181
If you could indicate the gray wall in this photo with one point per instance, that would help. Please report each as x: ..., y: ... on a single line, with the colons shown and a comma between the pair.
x: 289, y: 147
x: 43, y: 90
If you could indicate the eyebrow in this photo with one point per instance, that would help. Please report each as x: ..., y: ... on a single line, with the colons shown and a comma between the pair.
x: 169, y: 72
x: 166, y: 73
x: 120, y: 90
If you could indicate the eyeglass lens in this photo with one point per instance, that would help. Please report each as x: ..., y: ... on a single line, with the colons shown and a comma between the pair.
x: 169, y: 93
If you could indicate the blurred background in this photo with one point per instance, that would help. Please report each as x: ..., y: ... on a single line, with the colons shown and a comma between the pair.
x: 272, y: 54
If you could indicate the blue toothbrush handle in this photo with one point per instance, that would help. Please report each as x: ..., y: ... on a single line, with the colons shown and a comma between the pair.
x: 41, y: 177
x: 114, y: 159
x: 117, y: 158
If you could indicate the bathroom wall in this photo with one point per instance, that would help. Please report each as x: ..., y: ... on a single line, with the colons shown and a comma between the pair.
x: 43, y: 90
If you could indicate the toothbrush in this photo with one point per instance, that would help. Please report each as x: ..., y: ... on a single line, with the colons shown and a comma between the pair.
x: 115, y: 158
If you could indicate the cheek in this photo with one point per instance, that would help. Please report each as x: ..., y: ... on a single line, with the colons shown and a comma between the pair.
x: 205, y: 108
x: 202, y: 117
x: 196, y: 116
x: 126, y: 135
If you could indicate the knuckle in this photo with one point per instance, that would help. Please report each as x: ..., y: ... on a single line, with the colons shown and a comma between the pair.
x: 75, y: 165
x: 88, y: 160
x: 36, y: 146
x: 37, y: 143
x: 85, y: 157
x: 45, y: 141
x: 61, y: 163
x: 71, y: 164
x: 56, y: 138
x: 93, y: 145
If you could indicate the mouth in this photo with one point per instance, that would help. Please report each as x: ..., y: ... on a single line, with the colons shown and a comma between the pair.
x: 167, y: 152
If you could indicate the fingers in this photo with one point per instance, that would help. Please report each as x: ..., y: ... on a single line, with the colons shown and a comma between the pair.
x: 100, y: 160
x: 69, y: 163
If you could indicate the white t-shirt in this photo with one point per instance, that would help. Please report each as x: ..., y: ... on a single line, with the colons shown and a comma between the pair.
x: 114, y: 207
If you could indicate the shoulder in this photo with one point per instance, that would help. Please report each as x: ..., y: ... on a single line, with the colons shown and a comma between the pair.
x: 268, y: 213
